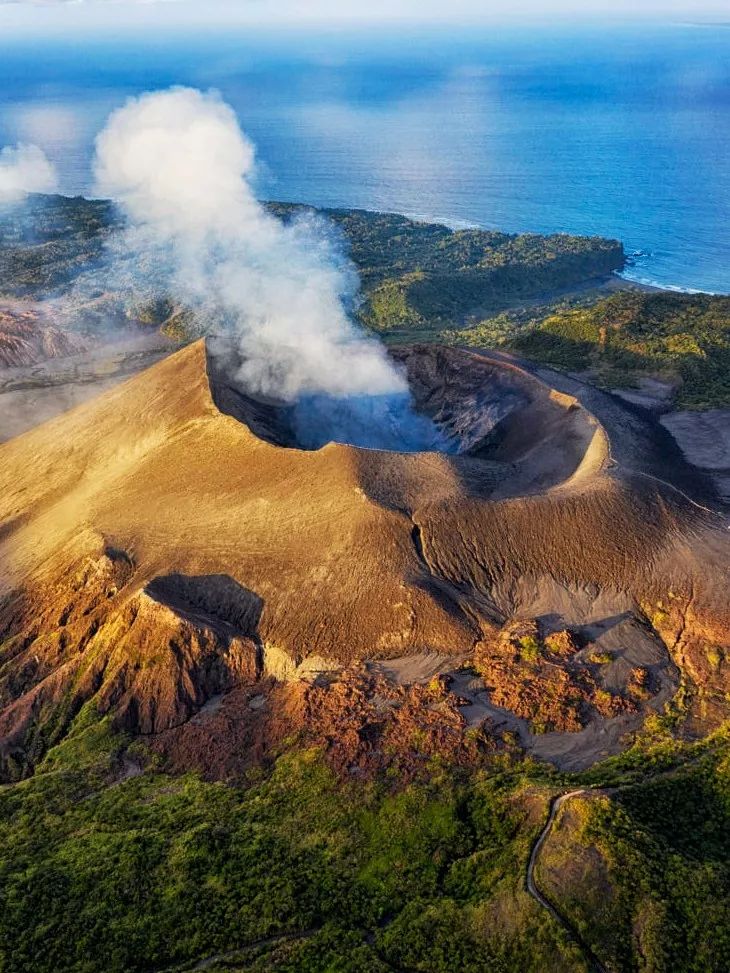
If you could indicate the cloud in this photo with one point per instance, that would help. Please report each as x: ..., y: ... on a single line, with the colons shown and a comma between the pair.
x: 25, y: 169
x: 77, y: 3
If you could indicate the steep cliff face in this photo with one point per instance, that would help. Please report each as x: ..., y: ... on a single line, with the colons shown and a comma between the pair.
x: 150, y: 657
x: 156, y: 554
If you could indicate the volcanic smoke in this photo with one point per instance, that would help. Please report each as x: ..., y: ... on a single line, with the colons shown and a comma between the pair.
x: 180, y: 168
x: 24, y: 169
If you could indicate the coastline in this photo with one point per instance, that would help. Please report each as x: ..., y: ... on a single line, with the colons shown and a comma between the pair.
x: 637, y: 283
x: 669, y: 288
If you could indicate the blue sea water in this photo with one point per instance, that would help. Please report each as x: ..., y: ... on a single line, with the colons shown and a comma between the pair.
x: 621, y: 132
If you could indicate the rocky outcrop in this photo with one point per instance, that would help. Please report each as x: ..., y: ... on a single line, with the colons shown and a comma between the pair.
x: 149, y: 658
x: 27, y: 337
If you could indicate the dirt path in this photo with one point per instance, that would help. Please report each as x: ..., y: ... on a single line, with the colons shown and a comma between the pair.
x: 240, y: 955
x: 671, y: 486
x: 557, y: 802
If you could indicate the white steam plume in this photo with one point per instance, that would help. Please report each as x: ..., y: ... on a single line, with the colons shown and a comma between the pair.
x: 24, y: 169
x: 180, y: 167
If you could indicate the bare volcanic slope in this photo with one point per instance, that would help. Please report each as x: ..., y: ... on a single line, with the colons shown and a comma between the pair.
x: 27, y: 337
x: 166, y: 548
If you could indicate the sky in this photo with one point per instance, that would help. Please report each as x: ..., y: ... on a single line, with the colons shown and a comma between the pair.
x: 59, y: 16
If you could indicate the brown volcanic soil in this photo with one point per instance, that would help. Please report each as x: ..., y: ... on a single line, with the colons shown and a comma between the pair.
x: 159, y: 557
x: 33, y: 393
x: 27, y: 337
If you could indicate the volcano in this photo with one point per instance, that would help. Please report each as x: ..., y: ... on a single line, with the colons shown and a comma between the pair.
x: 175, y: 553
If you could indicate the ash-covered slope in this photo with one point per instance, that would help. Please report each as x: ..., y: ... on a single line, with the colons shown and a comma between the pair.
x: 26, y: 337
x: 156, y: 553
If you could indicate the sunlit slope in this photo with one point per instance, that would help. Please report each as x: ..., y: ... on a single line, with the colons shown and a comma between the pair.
x: 155, y: 470
x: 155, y: 552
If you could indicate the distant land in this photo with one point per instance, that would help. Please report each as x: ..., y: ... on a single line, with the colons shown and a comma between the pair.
x: 556, y: 301
x: 410, y: 271
x: 500, y: 130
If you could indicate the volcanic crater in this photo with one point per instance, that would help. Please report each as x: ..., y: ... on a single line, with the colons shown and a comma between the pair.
x: 174, y: 553
x: 526, y: 436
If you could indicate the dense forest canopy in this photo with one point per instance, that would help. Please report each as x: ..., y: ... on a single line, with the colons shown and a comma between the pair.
x: 298, y: 870
x: 683, y: 339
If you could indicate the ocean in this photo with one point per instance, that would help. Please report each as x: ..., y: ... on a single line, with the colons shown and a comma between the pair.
x: 620, y: 132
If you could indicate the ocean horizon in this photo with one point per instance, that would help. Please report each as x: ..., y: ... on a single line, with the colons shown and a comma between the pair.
x: 492, y: 130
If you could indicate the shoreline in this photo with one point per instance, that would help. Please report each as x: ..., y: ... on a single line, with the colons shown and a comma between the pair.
x: 671, y: 288
x: 609, y: 283
x: 456, y: 225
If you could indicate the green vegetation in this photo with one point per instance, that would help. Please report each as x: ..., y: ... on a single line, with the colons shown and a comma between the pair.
x: 423, y: 277
x: 664, y: 847
x: 108, y: 864
x: 683, y: 339
x: 48, y: 240
x: 294, y: 870
x: 641, y: 866
x: 417, y: 277
x: 529, y: 648
x: 600, y: 658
